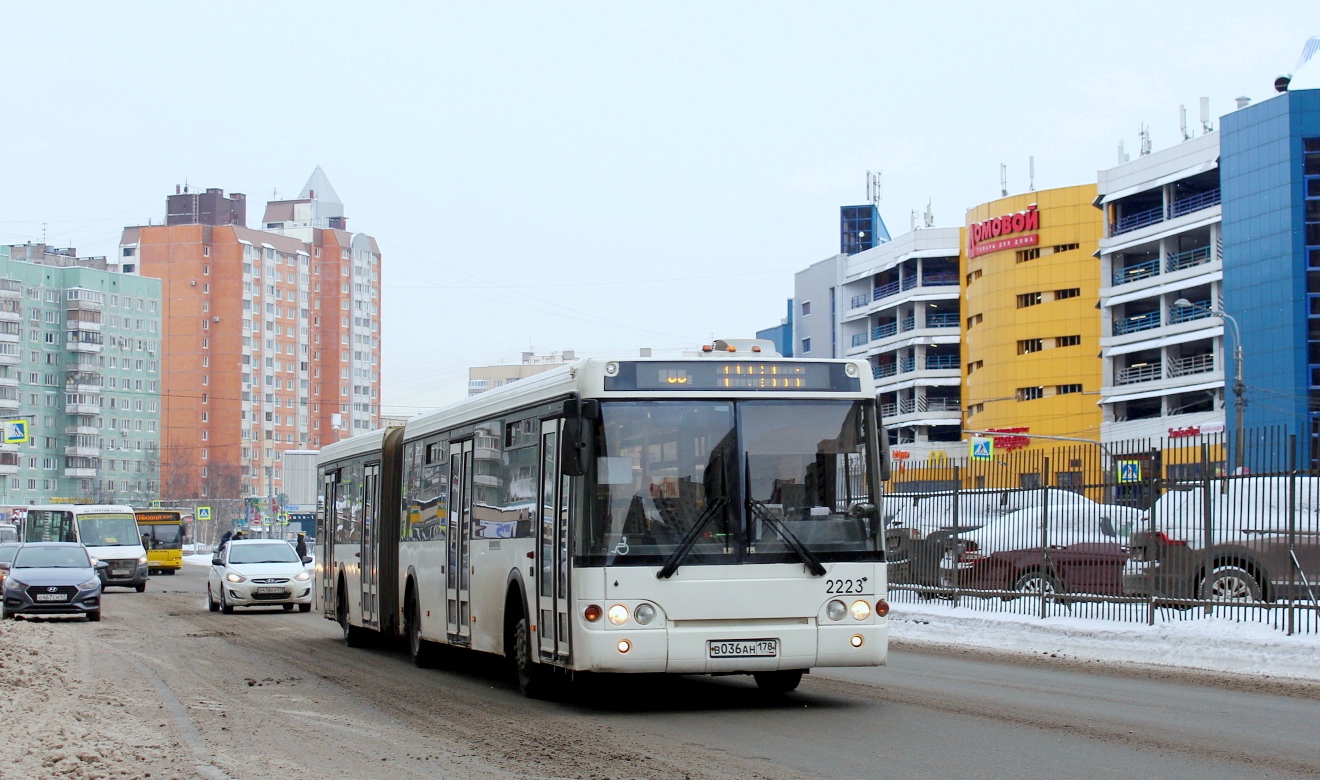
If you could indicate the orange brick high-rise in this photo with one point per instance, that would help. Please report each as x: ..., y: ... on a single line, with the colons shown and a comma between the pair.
x: 271, y: 338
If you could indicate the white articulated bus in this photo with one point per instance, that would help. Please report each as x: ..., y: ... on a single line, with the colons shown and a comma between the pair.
x: 706, y: 515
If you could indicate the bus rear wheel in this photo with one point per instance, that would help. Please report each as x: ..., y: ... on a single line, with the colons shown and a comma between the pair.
x: 778, y: 682
x: 424, y: 654
x: 353, y: 635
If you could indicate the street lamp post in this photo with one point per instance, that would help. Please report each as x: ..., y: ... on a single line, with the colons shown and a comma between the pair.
x: 1239, y: 387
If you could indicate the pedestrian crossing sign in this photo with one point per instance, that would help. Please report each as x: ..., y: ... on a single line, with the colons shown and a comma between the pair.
x: 203, y: 513
x: 981, y: 447
x: 16, y: 431
x: 1129, y: 471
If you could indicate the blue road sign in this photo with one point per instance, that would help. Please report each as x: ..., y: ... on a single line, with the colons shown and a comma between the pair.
x: 981, y: 448
x: 1129, y: 471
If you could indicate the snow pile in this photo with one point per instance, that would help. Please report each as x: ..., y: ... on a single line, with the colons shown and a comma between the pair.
x: 1212, y: 644
x: 62, y: 725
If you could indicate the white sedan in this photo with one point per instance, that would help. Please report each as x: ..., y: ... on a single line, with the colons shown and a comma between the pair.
x: 258, y: 573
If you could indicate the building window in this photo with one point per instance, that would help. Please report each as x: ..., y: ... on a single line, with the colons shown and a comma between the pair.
x: 806, y: 308
x: 1023, y: 255
x: 1067, y: 341
x: 1027, y: 346
x: 1071, y: 292
x: 973, y: 276
x: 975, y: 319
x: 806, y: 345
x: 1028, y: 299
x: 1065, y: 247
x: 975, y: 366
x: 1030, y: 393
x: 1067, y: 389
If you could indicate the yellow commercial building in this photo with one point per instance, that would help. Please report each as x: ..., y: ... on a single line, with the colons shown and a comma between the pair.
x: 1031, y: 331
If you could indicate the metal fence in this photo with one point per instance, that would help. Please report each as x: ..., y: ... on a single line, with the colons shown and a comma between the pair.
x: 1142, y: 531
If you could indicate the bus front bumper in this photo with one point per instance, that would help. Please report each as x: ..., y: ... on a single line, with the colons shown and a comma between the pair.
x: 695, y: 649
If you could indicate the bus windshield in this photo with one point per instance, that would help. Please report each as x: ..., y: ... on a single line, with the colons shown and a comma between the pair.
x: 108, y: 530
x: 162, y: 536
x: 740, y: 481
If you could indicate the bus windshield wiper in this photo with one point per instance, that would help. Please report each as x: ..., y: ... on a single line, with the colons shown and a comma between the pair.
x: 684, y: 547
x: 780, y: 527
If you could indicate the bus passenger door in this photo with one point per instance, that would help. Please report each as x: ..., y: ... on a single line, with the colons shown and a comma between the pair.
x: 458, y: 568
x: 369, y: 571
x: 552, y: 551
x: 326, y: 536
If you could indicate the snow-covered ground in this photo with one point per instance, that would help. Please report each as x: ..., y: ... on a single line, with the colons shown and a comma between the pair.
x: 1212, y: 644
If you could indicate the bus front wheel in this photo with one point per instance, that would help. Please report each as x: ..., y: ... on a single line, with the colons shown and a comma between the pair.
x: 778, y: 682
x: 533, y: 679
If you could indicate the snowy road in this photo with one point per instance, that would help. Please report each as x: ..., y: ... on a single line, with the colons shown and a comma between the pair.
x: 162, y: 686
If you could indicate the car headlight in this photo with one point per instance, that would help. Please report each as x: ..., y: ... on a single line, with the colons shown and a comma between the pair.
x: 232, y: 577
x: 835, y: 610
x: 860, y: 610
x: 10, y: 582
x: 618, y: 614
x: 302, y: 576
x: 88, y: 585
x: 142, y: 559
x: 644, y: 614
x: 95, y: 560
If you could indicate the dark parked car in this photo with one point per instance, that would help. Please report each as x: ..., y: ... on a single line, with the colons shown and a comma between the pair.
x: 48, y: 578
x: 1253, y: 546
x: 1083, y: 553
x: 7, y: 551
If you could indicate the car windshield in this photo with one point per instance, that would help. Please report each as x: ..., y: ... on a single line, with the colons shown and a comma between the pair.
x: 745, y: 481
x: 52, y: 558
x: 108, y: 530
x: 7, y: 552
x: 163, y: 537
x: 276, y: 552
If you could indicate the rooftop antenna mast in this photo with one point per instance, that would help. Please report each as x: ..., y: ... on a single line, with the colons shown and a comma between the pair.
x: 1182, y: 122
x: 1123, y: 156
x: 1031, y: 173
x: 1144, y: 134
x: 1206, y: 127
x: 930, y: 215
x: 1003, y: 180
x: 875, y: 188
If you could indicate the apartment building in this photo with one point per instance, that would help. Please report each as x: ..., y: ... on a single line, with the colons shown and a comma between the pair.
x: 80, y: 365
x: 271, y: 337
x: 483, y: 378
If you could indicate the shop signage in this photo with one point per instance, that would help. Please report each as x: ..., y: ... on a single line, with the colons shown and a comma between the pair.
x: 1008, y: 443
x: 1196, y: 430
x: 995, y: 234
x: 899, y: 454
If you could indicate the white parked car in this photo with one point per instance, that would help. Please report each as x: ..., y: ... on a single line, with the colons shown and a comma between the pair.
x: 258, y: 573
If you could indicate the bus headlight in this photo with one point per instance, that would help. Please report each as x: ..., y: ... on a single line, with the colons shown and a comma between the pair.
x: 618, y: 614
x: 644, y: 614
x: 860, y: 610
x: 835, y: 610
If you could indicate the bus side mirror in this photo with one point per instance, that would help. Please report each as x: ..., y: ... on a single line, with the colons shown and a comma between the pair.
x: 863, y: 509
x: 574, y: 464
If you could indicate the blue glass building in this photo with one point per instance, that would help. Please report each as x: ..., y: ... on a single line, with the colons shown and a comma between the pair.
x: 1270, y: 180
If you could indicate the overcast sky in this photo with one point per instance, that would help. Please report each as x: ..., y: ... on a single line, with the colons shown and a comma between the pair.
x: 597, y: 176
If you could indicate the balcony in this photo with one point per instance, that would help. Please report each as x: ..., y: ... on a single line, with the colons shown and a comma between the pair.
x: 8, y: 462
x: 84, y: 341
x: 79, y: 473
x: 11, y: 288
x: 1187, y: 259
x: 939, y: 279
x: 882, y: 372
x: 920, y: 405
x: 9, y: 399
x: 1137, y: 271
x: 1198, y: 310
x: 1137, y: 323
x: 10, y: 354
x: 11, y: 310
x: 1194, y: 203
x: 82, y: 450
x: 944, y: 319
x: 1136, y: 221
x: 82, y: 382
x: 82, y: 323
x: 884, y: 331
x: 907, y: 365
x: 858, y: 339
x: 858, y: 301
x: 941, y: 362
x: 1193, y: 364
x: 1131, y: 376
x: 909, y: 323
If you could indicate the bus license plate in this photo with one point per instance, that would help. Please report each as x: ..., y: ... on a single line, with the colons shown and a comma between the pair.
x: 743, y: 648
x: 52, y: 597
x: 270, y: 590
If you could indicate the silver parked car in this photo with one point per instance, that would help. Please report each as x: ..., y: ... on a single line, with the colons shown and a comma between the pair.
x: 52, y: 578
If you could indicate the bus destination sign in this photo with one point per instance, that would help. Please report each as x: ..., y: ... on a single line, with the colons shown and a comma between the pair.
x: 782, y: 376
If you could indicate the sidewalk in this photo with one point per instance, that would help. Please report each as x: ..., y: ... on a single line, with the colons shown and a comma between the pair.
x: 1212, y: 644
